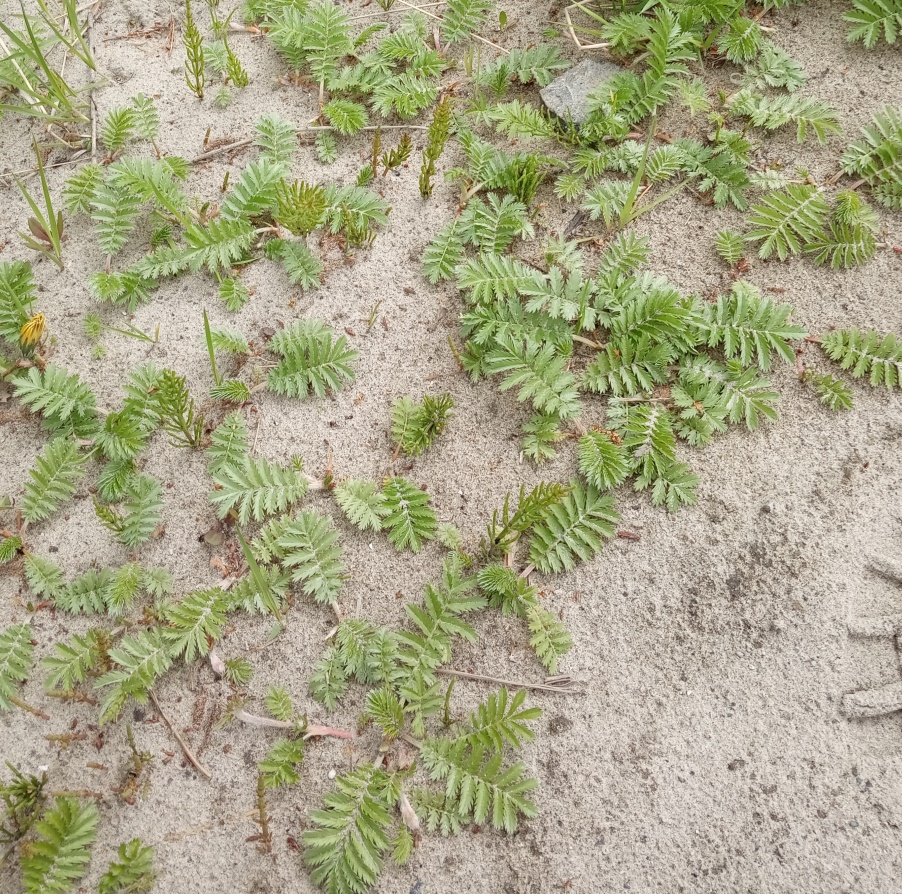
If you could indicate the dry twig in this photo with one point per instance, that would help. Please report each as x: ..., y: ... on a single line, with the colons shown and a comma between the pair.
x: 513, y: 684
x: 188, y: 752
x: 572, y: 30
x: 242, y: 144
x: 431, y: 15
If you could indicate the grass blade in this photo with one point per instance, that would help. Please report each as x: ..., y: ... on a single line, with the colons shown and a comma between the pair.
x: 209, y: 336
x: 261, y: 583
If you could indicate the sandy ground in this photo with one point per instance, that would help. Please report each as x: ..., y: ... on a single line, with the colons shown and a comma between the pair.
x: 709, y: 752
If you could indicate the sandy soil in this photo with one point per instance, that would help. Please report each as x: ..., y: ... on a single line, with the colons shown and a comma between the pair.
x: 709, y: 752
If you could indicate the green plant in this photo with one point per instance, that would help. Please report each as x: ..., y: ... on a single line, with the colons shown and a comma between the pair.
x: 43, y: 576
x: 88, y: 593
x: 279, y: 767
x: 850, y: 234
x: 263, y: 591
x: 540, y: 374
x: 255, y: 487
x: 117, y: 130
x: 576, y: 335
x: 23, y: 798
x: 17, y: 296
x: 477, y: 786
x: 223, y: 98
x: 398, y: 76
x: 46, y: 225
x: 469, y: 762
x: 278, y: 703
x: 301, y: 265
x: 307, y: 546
x: 879, y: 357
x: 873, y: 19
x: 876, y: 157
x: 132, y: 872
x: 72, y: 662
x: 345, y: 115
x: 94, y: 327
x: 730, y: 246
x: 194, y: 54
x: 311, y: 359
x: 192, y: 239
x: 15, y: 663
x: 301, y: 207
x: 443, y: 254
x: 60, y: 855
x: 234, y: 294
x: 146, y: 120
x: 345, y: 850
x: 654, y: 172
x: 325, y: 40
x: 550, y: 639
x: 53, y: 480
x: 232, y: 390
x: 176, y: 410
x: 404, y: 95
x: 540, y: 435
x: 603, y: 461
x: 462, y: 18
x: 63, y: 400
x: 10, y: 547
x: 355, y: 212
x: 384, y: 709
x: 137, y: 661
x: 508, y: 525
x: 572, y: 530
x: 416, y: 426
x: 834, y: 393
x: 772, y: 113
x: 27, y: 74
x: 195, y: 623
x: 227, y: 341
x: 398, y: 156
x: 142, y: 505
x: 211, y: 351
x: 362, y: 503
x: 234, y: 69
x: 254, y: 191
x: 238, y: 671
x: 525, y: 324
x: 408, y: 519
x: 536, y: 64
x: 787, y: 221
x: 228, y: 442
x: 436, y: 140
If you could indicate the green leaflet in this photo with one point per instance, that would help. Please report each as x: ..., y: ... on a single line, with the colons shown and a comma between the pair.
x: 15, y: 661
x: 572, y: 530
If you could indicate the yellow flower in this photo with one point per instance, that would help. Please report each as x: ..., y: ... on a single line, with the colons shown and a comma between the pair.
x: 32, y: 331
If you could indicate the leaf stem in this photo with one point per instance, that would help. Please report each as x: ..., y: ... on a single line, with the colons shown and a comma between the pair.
x: 20, y: 703
x: 514, y: 684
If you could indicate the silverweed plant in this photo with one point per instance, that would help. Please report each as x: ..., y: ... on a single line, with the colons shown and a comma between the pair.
x: 619, y: 369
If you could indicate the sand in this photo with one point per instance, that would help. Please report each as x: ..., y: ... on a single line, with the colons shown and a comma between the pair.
x: 709, y: 751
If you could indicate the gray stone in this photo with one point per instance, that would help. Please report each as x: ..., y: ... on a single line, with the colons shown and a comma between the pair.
x: 568, y: 95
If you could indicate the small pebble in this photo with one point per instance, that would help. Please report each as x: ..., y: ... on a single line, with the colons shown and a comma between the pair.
x: 331, y: 774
